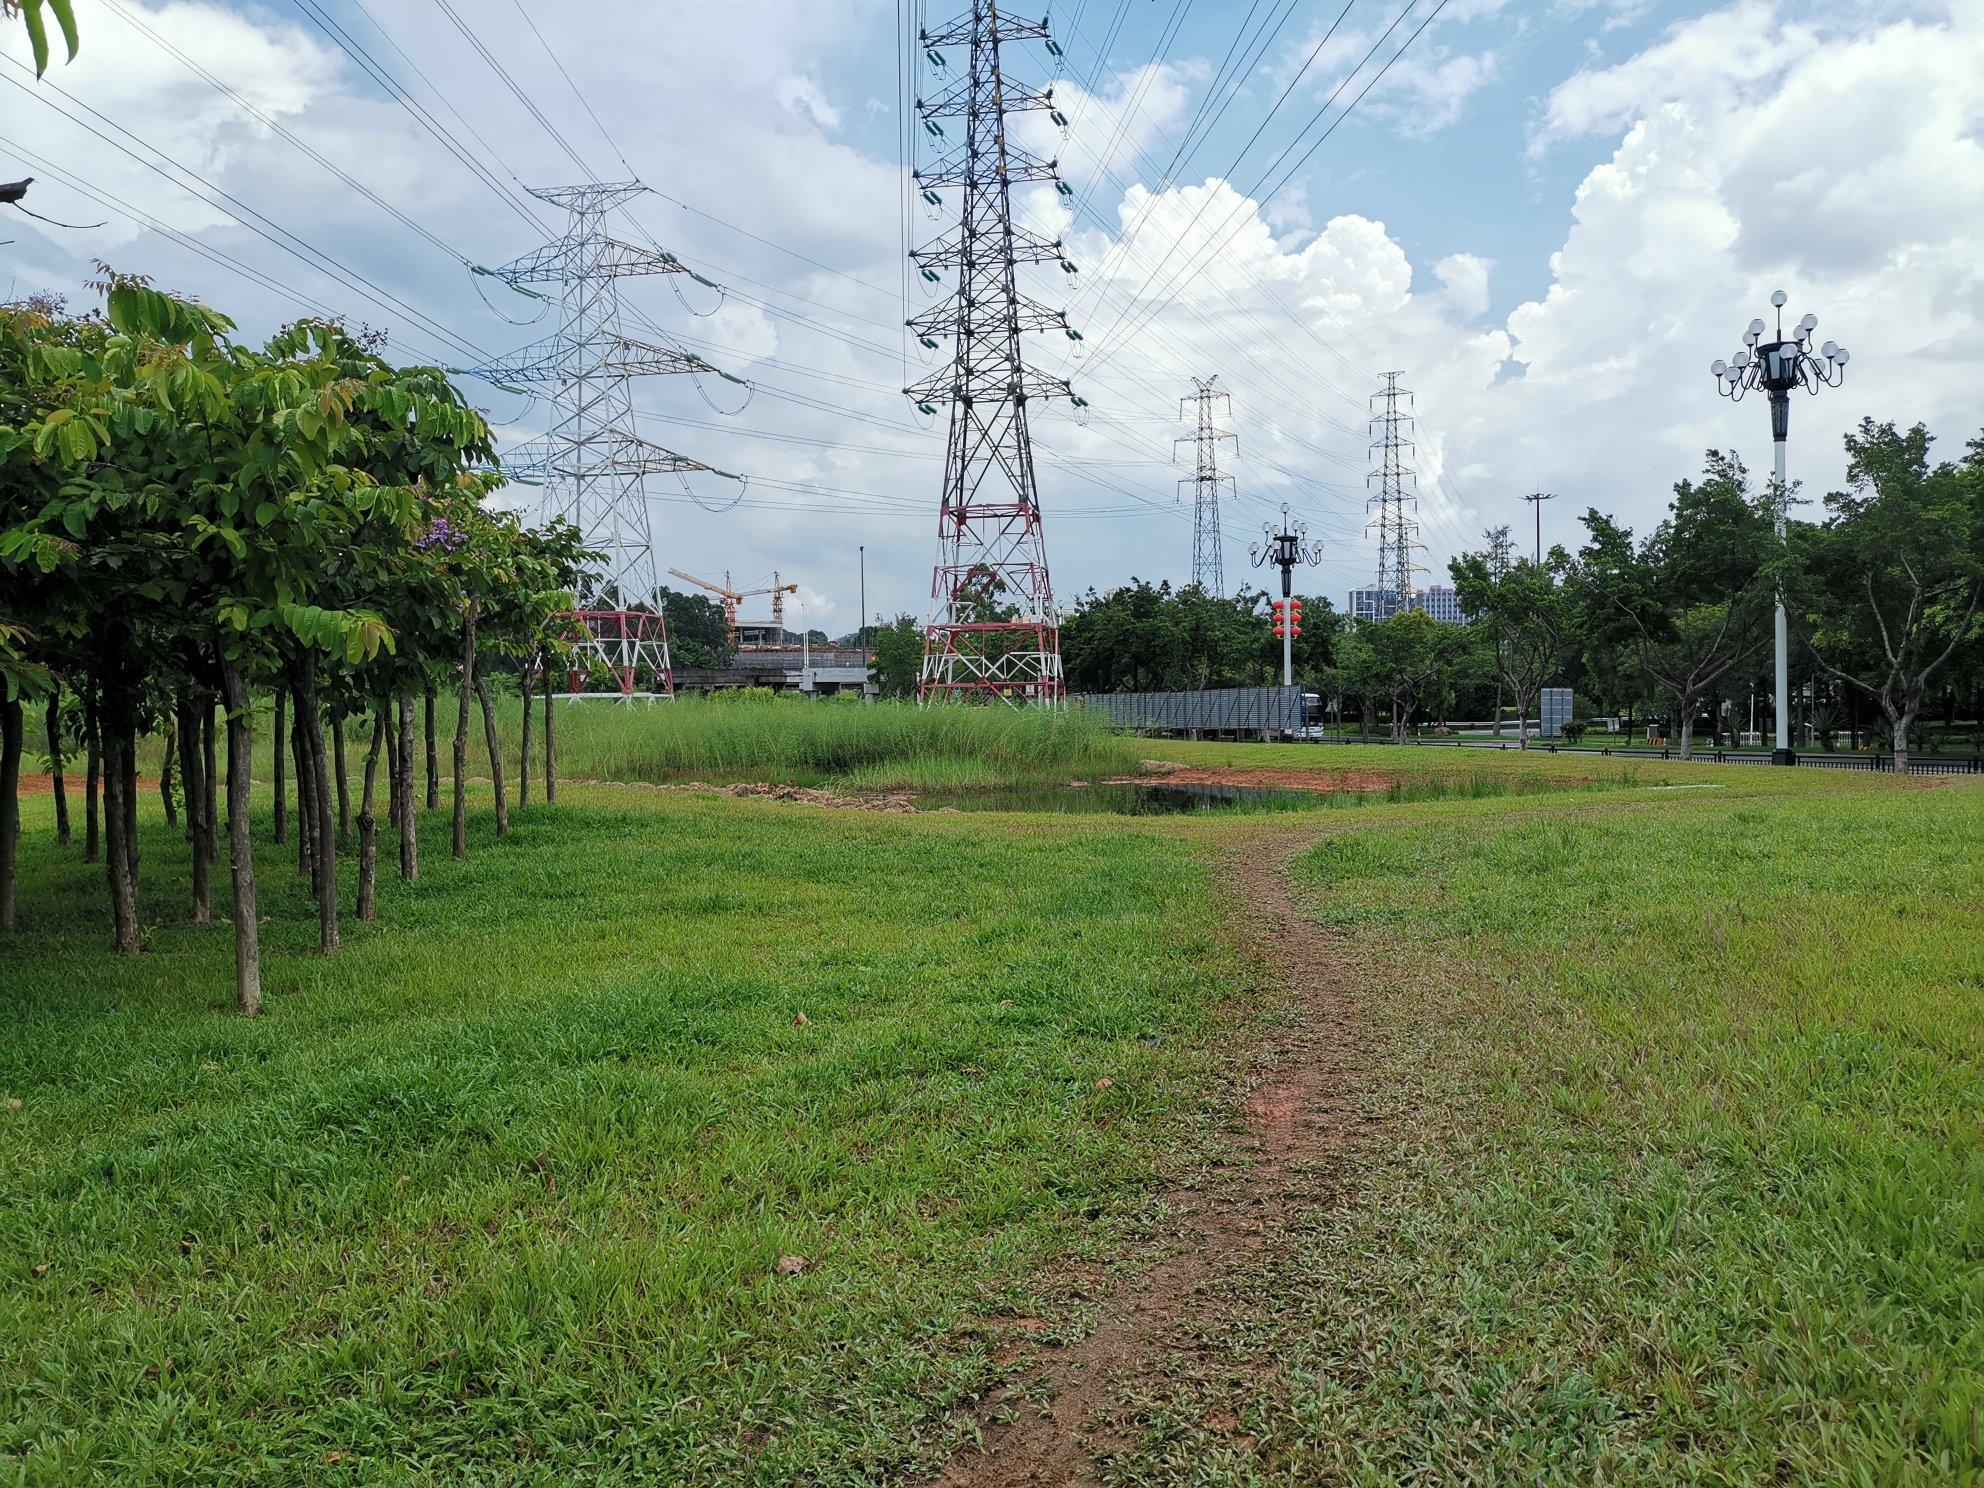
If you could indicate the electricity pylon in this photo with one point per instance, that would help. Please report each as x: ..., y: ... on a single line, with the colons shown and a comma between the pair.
x: 1396, y: 499
x: 591, y: 464
x: 993, y: 631
x: 1208, y: 567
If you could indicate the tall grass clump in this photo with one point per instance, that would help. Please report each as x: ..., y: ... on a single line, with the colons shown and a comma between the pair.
x: 800, y: 742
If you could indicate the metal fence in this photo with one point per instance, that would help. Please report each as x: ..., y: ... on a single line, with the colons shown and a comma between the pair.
x: 1213, y: 710
x: 1917, y: 765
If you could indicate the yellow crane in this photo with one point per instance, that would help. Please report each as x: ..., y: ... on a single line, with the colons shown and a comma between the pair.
x: 731, y: 597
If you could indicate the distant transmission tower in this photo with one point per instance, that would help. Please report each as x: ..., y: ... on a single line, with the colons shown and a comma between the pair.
x: 590, y: 462
x: 1395, y: 500
x: 1208, y: 570
x: 993, y: 630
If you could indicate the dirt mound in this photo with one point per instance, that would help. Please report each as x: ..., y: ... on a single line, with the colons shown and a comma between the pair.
x: 807, y: 795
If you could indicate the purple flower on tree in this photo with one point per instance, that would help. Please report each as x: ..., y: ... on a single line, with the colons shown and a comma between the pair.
x: 442, y: 535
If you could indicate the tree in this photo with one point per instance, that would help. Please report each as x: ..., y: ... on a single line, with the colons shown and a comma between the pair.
x: 1891, y: 582
x: 898, y: 656
x: 1521, y: 615
x: 1404, y: 658
x: 698, y: 632
x: 1693, y: 601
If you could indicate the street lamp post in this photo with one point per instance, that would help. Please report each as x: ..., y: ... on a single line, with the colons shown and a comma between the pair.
x: 1285, y: 549
x: 1775, y: 368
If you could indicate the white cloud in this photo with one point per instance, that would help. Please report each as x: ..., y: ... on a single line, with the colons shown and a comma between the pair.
x: 802, y: 96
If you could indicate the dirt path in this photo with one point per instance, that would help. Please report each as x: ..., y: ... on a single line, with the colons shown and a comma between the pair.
x: 1303, y: 1120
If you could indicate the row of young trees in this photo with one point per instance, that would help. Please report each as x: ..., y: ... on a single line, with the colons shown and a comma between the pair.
x: 1883, y: 584
x: 189, y: 523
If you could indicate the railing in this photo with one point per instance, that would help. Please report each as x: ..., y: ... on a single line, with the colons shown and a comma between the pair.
x: 1917, y: 764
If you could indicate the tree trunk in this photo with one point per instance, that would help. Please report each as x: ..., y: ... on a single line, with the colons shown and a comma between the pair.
x: 313, y: 764
x: 282, y: 797
x: 550, y: 757
x: 433, y: 756
x: 368, y: 824
x: 461, y: 733
x: 306, y: 816
x: 1522, y: 719
x: 241, y: 850
x: 523, y: 758
x: 495, y: 749
x: 1687, y: 728
x: 209, y: 805
x: 344, y: 786
x: 391, y: 713
x: 10, y: 809
x: 409, y: 818
x: 93, y: 776
x: 1903, y: 723
x: 119, y: 806
x: 56, y: 782
x: 131, y: 798
x: 165, y: 778
x: 186, y: 717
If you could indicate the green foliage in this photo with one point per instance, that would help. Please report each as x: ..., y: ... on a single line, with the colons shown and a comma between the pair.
x: 698, y: 633
x: 31, y: 13
x: 1409, y: 658
x: 1891, y: 584
x: 897, y: 649
x: 1144, y: 637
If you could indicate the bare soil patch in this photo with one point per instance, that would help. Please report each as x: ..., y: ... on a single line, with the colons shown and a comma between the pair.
x: 1304, y: 1118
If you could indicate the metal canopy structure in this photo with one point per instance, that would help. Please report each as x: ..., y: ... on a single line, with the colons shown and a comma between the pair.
x: 994, y: 631
x: 591, y: 463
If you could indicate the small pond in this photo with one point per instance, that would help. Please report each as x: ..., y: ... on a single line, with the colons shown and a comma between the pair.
x: 1124, y: 799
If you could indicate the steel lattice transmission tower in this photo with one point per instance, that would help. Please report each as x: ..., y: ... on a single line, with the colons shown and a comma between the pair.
x: 590, y: 462
x: 1206, y: 399
x: 993, y: 631
x: 1396, y: 499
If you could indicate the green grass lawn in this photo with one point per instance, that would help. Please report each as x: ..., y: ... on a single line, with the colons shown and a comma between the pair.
x: 1682, y: 1181
x: 1687, y: 1184
x: 499, y: 1193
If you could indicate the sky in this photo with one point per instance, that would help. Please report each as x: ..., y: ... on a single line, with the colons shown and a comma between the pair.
x: 1549, y: 216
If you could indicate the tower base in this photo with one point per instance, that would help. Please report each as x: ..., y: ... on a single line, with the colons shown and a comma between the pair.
x: 629, y: 646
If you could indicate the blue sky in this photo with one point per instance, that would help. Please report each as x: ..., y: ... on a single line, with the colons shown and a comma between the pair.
x: 1549, y: 214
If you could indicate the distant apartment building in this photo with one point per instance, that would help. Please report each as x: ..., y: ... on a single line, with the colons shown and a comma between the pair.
x: 1439, y: 601
x: 1372, y: 603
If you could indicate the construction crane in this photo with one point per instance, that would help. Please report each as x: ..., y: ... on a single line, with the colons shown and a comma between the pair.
x: 731, y: 598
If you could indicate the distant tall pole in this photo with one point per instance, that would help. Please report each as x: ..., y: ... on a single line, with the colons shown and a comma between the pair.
x: 1208, y: 566
x: 1396, y: 499
x: 1775, y: 368
x: 1285, y: 549
x: 863, y: 550
x: 1536, y: 500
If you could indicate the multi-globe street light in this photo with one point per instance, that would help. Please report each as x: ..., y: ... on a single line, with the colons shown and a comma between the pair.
x: 1775, y: 368
x: 1285, y: 549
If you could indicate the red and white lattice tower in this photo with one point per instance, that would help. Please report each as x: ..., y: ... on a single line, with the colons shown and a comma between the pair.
x: 591, y: 464
x: 993, y: 631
